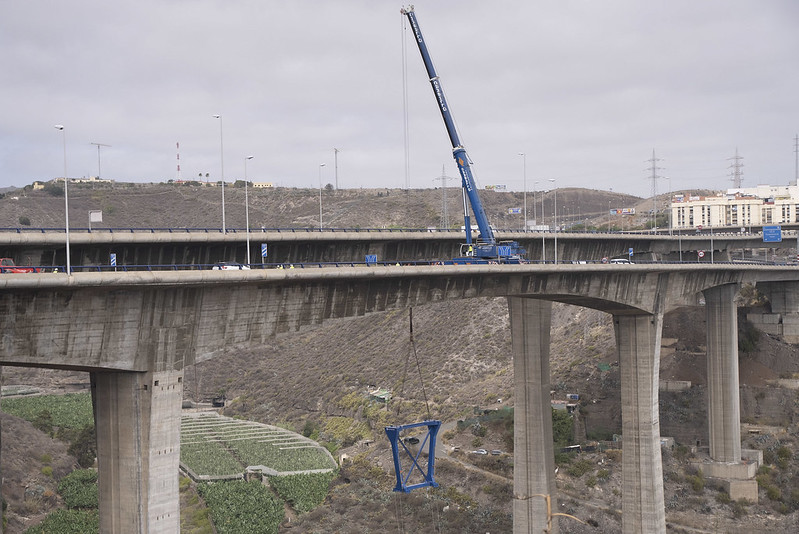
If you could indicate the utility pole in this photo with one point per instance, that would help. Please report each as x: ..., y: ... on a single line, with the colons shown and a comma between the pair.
x: 335, y: 164
x: 796, y: 162
x: 654, y: 169
x: 737, y: 173
x: 443, y: 179
x: 98, y: 157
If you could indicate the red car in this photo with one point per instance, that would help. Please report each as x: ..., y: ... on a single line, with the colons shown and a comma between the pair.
x: 7, y: 266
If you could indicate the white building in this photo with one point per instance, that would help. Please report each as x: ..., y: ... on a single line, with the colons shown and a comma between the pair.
x: 737, y: 208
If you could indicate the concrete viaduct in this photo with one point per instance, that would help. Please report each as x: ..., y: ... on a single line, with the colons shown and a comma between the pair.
x: 135, y: 332
x: 181, y: 247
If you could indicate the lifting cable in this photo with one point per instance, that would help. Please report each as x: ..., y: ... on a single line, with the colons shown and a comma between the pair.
x: 412, y: 350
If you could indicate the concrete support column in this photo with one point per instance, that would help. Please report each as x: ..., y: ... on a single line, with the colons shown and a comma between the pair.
x: 137, y: 417
x: 638, y: 346
x: 724, y: 402
x: 534, y: 457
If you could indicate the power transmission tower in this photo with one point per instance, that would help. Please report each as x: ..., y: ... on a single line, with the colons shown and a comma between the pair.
x: 443, y: 179
x: 653, y: 168
x: 736, y: 173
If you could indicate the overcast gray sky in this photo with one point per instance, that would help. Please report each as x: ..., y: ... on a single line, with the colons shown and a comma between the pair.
x: 586, y: 89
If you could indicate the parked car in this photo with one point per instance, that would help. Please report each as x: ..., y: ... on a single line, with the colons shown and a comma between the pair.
x: 7, y: 266
x: 480, y: 451
x: 620, y: 260
x: 229, y: 266
x: 496, y: 452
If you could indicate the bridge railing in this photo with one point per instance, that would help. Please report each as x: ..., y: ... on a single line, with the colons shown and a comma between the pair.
x: 318, y: 265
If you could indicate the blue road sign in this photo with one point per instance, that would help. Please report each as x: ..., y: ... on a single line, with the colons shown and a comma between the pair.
x: 630, y: 252
x: 772, y: 234
x: 371, y: 258
x: 263, y: 250
x: 113, y: 260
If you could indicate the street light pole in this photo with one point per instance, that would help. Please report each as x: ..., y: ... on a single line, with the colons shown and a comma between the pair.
x: 320, y: 195
x: 247, y: 208
x: 524, y: 171
x: 555, y: 218
x: 66, y: 196
x: 222, y: 165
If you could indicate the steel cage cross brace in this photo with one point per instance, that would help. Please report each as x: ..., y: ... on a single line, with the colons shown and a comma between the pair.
x: 393, y: 433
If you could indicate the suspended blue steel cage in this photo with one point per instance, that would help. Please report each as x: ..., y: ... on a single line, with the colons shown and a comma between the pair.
x: 400, y: 450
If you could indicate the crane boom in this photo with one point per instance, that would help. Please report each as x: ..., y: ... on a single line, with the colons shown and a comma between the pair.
x: 487, y: 244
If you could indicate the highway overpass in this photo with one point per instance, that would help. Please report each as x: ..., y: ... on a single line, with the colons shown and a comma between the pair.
x: 135, y: 332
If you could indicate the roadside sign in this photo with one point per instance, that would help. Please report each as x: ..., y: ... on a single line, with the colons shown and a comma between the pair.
x: 113, y: 260
x: 701, y: 253
x: 630, y: 252
x: 514, y: 211
x: 371, y: 258
x: 772, y: 234
x: 263, y: 250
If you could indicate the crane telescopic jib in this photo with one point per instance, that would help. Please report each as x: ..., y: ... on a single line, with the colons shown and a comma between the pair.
x: 486, y: 249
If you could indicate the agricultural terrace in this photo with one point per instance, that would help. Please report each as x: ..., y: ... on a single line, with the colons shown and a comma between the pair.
x: 214, y: 447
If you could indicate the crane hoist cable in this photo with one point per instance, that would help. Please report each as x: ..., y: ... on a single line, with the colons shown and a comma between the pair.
x: 412, y: 351
x: 411, y: 448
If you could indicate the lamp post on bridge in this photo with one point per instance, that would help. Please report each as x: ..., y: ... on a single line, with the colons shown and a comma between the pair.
x: 320, y: 195
x: 247, y: 208
x: 524, y: 184
x: 555, y: 218
x: 222, y: 165
x: 66, y: 195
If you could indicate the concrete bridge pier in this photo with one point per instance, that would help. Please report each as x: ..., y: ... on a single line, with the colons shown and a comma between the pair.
x: 534, y: 457
x: 137, y: 417
x: 638, y: 346
x: 724, y: 403
x: 724, y: 400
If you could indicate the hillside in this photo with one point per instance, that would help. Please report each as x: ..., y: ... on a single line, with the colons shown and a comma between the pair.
x: 176, y: 206
x: 317, y: 381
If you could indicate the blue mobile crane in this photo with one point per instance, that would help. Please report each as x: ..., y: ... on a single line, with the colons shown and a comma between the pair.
x: 486, y: 249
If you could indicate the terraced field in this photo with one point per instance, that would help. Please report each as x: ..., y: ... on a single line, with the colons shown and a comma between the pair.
x: 216, y: 447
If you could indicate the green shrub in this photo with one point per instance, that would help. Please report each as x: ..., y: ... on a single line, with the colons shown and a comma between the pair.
x: 24, y: 221
x: 79, y: 489
x: 739, y: 509
x: 580, y: 467
x: 242, y: 507
x: 303, y: 492
x: 696, y: 481
x: 68, y: 522
x: 773, y: 493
